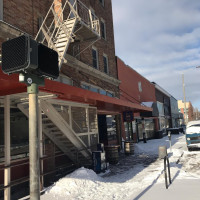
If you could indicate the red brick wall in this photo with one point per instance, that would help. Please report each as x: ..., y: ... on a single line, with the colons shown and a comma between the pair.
x: 103, y: 46
x: 78, y: 76
x: 25, y: 14
x: 129, y: 85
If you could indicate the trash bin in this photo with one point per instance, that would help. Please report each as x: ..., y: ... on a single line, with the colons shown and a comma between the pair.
x: 129, y: 147
x: 112, y: 154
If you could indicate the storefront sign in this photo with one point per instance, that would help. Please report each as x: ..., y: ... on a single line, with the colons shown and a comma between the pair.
x: 128, y: 116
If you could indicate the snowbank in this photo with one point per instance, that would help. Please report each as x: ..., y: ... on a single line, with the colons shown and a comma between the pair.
x: 73, y: 184
x: 131, y: 178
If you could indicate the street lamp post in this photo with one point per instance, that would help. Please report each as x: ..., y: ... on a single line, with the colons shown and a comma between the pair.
x: 185, y: 113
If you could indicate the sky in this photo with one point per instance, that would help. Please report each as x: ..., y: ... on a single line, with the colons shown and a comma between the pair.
x: 161, y: 40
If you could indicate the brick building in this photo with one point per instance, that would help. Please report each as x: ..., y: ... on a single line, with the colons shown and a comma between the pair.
x: 188, y: 115
x: 80, y: 108
x: 136, y: 88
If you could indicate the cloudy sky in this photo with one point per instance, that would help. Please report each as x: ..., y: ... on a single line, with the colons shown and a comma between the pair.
x: 161, y: 40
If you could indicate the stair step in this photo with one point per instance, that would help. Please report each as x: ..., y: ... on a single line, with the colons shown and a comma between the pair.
x: 61, y: 49
x: 72, y: 20
x: 62, y: 35
x: 61, y: 137
x: 57, y: 133
x: 68, y: 29
x: 52, y: 129
x: 64, y: 39
x: 61, y: 44
x: 47, y: 122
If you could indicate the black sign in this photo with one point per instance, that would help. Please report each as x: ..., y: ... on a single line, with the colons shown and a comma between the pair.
x: 128, y: 116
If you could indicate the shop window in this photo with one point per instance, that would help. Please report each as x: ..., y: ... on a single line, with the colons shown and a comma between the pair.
x: 111, y: 127
x: 18, y: 134
x: 95, y: 58
x: 128, y: 130
x: 93, y: 120
x: 105, y: 63
x: 103, y: 29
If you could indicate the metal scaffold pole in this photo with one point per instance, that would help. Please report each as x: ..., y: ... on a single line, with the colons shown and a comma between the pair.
x: 7, y: 171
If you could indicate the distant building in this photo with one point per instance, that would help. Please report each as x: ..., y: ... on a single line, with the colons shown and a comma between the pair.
x: 176, y: 116
x: 188, y: 114
x: 137, y: 89
x: 163, y: 105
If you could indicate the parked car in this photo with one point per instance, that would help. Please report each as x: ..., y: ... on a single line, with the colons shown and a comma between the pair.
x: 193, y: 134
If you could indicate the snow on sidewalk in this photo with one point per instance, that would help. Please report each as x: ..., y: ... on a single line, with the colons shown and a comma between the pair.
x: 134, y: 177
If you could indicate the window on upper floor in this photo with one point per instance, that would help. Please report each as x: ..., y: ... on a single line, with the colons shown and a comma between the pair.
x: 110, y: 94
x: 97, y: 89
x: 140, y: 86
x: 86, y: 87
x: 41, y: 35
x: 102, y: 2
x: 95, y: 58
x: 103, y: 29
x: 1, y: 9
x: 94, y: 89
x: 101, y: 91
x: 105, y: 63
x: 76, y: 51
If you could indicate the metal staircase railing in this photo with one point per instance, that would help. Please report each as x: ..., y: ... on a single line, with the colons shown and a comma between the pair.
x: 57, y: 129
x: 58, y: 27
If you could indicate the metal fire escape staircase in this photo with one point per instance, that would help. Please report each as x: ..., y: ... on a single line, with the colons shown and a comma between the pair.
x: 66, y: 22
x: 55, y: 127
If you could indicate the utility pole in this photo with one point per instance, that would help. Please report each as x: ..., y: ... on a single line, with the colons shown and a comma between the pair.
x: 185, y: 112
x: 34, y: 142
x: 32, y: 83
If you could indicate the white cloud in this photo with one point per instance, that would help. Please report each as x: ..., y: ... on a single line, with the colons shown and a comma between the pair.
x: 161, y: 39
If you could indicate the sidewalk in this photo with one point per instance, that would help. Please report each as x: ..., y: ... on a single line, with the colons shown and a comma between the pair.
x: 184, y: 189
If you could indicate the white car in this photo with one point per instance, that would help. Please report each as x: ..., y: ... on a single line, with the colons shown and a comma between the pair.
x: 193, y: 134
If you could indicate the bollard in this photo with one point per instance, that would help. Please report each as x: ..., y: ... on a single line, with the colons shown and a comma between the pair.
x: 166, y: 165
x: 162, y: 151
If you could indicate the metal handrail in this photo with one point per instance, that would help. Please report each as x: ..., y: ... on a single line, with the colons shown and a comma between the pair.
x: 25, y: 179
x: 88, y: 17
